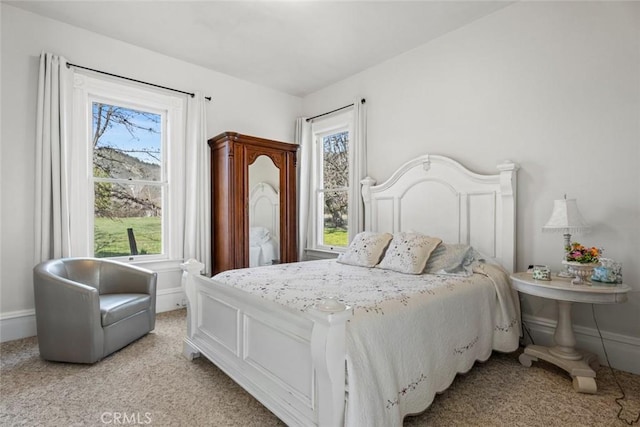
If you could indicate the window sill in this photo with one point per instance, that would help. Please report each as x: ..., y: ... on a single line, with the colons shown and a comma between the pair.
x: 158, y: 265
x: 312, y: 253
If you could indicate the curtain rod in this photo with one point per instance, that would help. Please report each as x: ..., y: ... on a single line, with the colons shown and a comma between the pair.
x: 208, y: 98
x: 362, y: 101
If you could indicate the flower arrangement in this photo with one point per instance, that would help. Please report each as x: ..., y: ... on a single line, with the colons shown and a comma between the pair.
x: 578, y: 253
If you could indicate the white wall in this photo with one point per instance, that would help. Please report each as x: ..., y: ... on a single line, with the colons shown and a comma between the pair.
x: 237, y: 106
x: 554, y: 87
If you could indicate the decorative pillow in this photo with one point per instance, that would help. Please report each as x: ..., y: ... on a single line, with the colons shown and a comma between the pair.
x: 258, y: 236
x: 366, y: 249
x: 451, y: 259
x: 409, y: 252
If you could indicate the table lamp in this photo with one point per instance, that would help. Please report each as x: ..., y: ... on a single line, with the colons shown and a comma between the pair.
x: 566, y: 218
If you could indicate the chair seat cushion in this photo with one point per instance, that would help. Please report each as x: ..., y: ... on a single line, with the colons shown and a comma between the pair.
x: 115, y: 307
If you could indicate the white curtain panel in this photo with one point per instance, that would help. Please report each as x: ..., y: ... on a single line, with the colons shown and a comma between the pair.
x: 357, y: 167
x: 55, y: 86
x: 303, y: 138
x: 197, y: 227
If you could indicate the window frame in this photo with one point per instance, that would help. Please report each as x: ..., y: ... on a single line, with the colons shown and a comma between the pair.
x: 88, y: 90
x: 320, y: 128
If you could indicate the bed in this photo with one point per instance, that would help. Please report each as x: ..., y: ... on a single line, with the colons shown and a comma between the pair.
x: 317, y: 347
x: 264, y: 225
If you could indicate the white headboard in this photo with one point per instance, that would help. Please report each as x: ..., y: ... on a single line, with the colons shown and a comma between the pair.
x: 437, y: 196
x: 264, y: 208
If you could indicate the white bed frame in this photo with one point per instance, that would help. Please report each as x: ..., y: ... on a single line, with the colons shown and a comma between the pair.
x: 294, y: 362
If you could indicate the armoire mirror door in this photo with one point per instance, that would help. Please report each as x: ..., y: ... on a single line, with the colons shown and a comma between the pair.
x: 264, y: 212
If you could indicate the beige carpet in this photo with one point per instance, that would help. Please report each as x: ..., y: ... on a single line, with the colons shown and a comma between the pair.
x: 150, y: 383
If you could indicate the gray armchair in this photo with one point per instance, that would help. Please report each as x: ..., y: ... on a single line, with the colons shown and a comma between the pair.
x: 87, y: 308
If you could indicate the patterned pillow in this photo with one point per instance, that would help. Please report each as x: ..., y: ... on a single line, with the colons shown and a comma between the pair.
x: 366, y: 249
x: 409, y: 252
x: 451, y: 259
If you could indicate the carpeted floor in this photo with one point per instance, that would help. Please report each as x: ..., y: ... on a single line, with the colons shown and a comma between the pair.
x: 150, y: 383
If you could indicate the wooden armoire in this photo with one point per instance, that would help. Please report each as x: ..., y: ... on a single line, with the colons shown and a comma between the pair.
x: 232, y: 154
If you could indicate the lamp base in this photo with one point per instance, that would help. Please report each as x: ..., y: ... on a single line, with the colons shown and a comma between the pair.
x: 565, y: 274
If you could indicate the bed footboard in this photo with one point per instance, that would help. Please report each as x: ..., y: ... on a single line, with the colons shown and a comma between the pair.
x: 293, y: 362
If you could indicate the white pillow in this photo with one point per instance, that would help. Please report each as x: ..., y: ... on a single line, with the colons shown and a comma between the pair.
x: 452, y: 259
x: 258, y: 236
x: 366, y: 249
x: 409, y: 252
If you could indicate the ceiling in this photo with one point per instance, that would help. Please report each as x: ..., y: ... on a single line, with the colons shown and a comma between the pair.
x: 296, y: 47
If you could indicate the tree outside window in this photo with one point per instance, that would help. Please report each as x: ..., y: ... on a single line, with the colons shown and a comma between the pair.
x: 334, y: 191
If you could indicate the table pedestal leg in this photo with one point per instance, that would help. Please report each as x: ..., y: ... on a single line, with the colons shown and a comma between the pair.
x: 580, y: 365
x: 563, y: 337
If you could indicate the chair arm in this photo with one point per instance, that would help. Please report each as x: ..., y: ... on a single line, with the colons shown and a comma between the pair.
x: 116, y: 277
x: 67, y: 313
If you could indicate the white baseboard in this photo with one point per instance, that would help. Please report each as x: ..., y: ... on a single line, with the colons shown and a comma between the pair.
x: 623, y: 350
x: 170, y: 299
x: 22, y: 323
x: 17, y: 324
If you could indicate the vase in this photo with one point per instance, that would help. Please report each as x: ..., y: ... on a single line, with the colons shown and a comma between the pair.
x: 582, y: 271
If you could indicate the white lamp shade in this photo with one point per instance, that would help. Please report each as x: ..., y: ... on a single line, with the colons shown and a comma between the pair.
x: 565, y: 217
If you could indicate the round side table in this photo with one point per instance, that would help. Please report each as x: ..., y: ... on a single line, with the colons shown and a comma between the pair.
x: 579, y: 364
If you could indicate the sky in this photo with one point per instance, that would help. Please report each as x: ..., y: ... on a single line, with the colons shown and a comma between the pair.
x: 117, y: 136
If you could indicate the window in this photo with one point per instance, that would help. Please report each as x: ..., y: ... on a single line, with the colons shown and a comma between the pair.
x: 127, y: 170
x: 333, y: 190
x: 128, y: 181
x: 331, y: 159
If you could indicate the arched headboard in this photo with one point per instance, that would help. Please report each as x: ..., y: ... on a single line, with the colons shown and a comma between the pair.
x: 437, y: 196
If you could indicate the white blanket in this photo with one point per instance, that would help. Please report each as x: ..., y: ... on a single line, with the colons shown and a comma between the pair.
x: 410, y: 334
x: 263, y: 248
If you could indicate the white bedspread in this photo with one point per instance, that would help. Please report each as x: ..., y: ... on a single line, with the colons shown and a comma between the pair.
x: 409, y: 336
